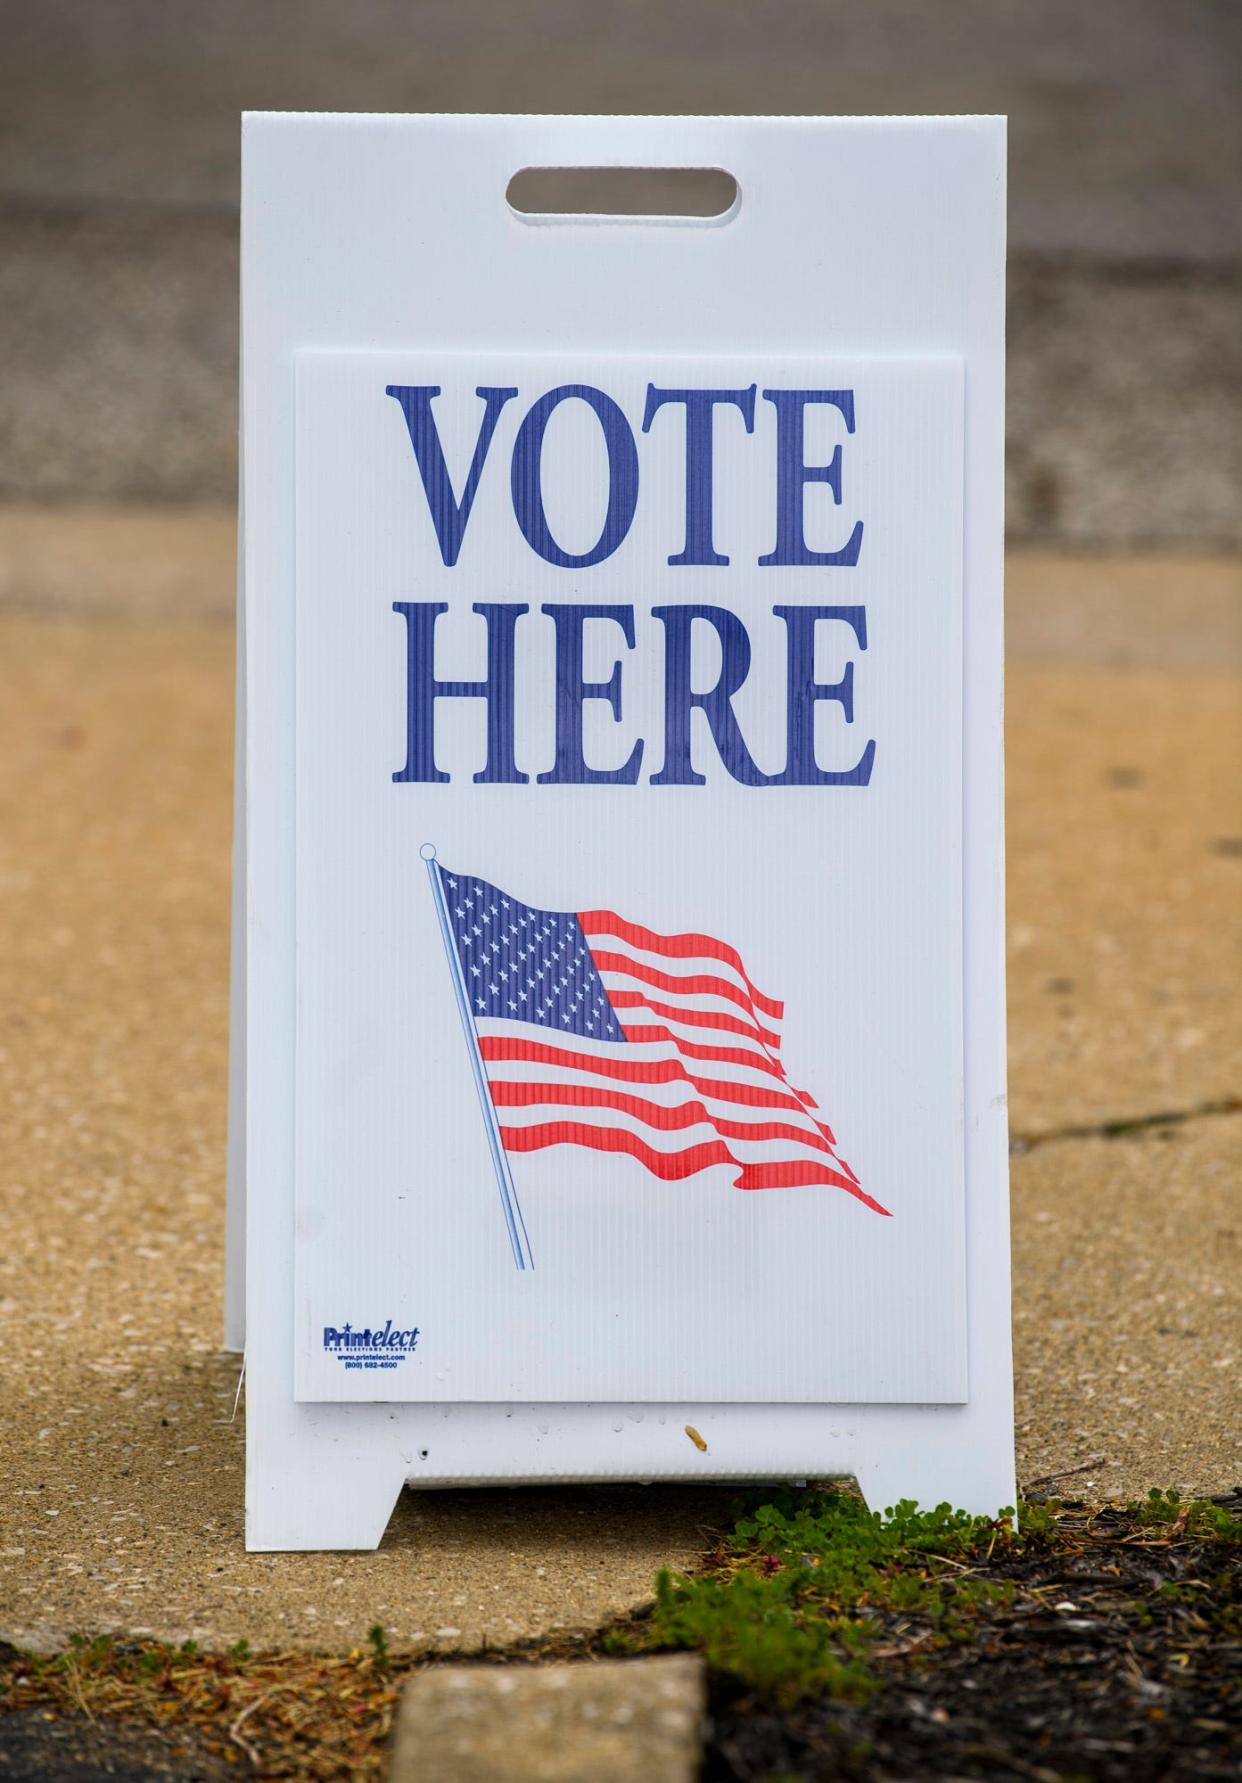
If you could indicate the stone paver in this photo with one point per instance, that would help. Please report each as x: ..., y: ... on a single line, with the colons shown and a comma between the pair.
x: 614, y: 1721
x: 123, y: 1482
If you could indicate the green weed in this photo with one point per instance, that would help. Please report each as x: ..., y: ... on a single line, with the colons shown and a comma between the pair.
x: 1198, y: 1518
x: 1038, y: 1522
x: 381, y: 1659
x: 812, y: 1582
x: 811, y: 1588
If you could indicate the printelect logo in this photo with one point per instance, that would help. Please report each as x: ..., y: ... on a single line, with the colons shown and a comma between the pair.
x: 371, y: 1347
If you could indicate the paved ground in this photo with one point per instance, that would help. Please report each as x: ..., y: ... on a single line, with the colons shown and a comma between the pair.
x: 118, y: 220
x: 1126, y: 132
x: 1171, y: 609
x: 123, y: 1500
x: 36, y: 1749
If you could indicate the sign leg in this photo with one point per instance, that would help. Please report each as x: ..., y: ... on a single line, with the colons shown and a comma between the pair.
x: 316, y: 1482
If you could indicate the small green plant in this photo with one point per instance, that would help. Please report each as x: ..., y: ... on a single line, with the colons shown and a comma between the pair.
x: 1158, y: 1508
x: 1038, y: 1522
x: 239, y: 1652
x: 85, y: 1655
x: 381, y: 1659
x: 1214, y: 1523
x: 811, y: 1587
x: 758, y: 1628
x: 1197, y: 1517
x: 808, y: 1581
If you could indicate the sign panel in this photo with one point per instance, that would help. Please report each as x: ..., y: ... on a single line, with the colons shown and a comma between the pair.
x: 618, y: 1072
x: 629, y: 878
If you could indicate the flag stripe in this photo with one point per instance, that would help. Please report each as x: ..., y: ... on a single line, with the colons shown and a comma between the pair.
x: 696, y: 1018
x: 689, y: 946
x: 725, y: 1055
x: 639, y: 1033
x: 743, y: 1149
x: 670, y: 1088
x: 700, y: 984
x: 643, y: 1046
x: 670, y: 1075
x: 795, y: 1175
x: 664, y: 1116
x: 639, y: 1071
x: 751, y: 1066
x: 675, y: 1166
x: 671, y: 1166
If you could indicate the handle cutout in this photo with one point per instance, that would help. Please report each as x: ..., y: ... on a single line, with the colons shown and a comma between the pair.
x: 623, y: 194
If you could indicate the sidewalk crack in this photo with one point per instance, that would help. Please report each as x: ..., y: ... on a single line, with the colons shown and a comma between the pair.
x: 1125, y: 1127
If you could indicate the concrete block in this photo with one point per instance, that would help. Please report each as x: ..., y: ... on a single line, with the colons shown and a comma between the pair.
x: 612, y: 1721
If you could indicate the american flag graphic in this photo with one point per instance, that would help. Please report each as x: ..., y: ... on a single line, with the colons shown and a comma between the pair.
x: 595, y: 1031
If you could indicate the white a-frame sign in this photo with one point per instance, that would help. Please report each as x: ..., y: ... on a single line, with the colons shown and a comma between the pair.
x: 618, y: 1082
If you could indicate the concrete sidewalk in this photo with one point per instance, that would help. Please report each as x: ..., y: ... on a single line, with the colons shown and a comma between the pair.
x: 123, y: 1507
x: 119, y: 172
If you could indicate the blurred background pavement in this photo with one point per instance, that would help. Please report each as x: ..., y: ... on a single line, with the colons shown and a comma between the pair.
x: 119, y: 183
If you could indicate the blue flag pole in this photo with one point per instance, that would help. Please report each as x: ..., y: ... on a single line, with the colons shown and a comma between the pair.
x: 500, y: 1158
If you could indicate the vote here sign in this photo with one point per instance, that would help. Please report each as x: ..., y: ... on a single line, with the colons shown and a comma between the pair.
x: 629, y: 877
x: 618, y: 1081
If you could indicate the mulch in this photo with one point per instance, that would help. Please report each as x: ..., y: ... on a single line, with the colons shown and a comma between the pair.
x: 1119, y: 1661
